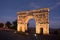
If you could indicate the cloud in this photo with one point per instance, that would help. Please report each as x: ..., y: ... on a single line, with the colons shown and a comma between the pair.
x: 54, y: 24
x: 7, y: 18
x: 34, y: 5
x: 56, y: 5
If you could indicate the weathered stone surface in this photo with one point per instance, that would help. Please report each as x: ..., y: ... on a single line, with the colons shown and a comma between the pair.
x: 41, y: 17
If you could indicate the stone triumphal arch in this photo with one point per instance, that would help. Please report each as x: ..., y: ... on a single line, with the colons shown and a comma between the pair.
x: 41, y: 17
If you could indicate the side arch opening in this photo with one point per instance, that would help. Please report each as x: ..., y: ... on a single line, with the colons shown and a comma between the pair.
x: 41, y: 31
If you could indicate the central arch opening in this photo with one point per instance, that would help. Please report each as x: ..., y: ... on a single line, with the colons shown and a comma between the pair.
x: 31, y: 26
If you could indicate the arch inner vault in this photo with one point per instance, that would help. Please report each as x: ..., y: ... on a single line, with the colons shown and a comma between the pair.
x: 41, y: 17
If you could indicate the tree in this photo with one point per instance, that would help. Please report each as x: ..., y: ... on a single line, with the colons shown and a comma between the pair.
x: 1, y: 24
x: 8, y: 24
x: 15, y: 24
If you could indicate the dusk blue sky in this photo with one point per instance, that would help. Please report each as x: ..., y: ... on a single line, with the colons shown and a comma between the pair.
x: 9, y: 9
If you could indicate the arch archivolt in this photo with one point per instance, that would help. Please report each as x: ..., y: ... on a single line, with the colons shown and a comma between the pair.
x: 41, y: 17
x: 27, y: 19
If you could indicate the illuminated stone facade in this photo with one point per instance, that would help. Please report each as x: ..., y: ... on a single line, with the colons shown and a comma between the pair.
x: 41, y: 17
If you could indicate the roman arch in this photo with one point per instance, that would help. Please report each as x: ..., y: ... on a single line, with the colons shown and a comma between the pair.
x: 41, y: 17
